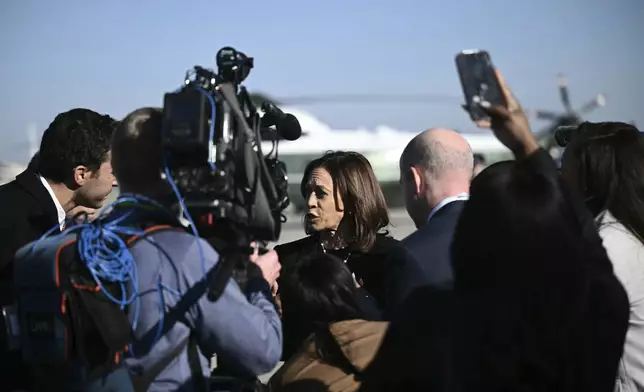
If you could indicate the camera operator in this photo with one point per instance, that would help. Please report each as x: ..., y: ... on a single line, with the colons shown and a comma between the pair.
x: 177, y: 334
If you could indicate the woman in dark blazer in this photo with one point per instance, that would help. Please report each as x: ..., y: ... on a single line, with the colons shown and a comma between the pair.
x: 346, y: 217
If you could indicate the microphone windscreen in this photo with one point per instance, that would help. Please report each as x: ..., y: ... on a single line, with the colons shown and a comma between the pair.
x: 289, y: 127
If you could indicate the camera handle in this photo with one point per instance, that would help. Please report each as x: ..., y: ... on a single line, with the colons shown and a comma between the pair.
x: 234, y: 251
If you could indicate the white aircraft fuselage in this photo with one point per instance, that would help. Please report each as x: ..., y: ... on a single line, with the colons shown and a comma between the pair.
x: 381, y: 146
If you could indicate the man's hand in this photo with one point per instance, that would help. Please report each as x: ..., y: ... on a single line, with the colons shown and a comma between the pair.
x: 278, y: 304
x: 510, y: 123
x: 90, y: 212
x: 274, y: 288
x: 270, y: 266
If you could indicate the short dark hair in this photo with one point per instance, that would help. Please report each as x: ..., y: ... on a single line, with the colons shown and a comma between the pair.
x: 609, y: 158
x: 365, y: 208
x: 136, y: 147
x: 76, y: 137
x: 320, y: 289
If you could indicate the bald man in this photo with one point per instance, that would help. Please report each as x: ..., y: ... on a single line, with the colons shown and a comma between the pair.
x: 435, y: 174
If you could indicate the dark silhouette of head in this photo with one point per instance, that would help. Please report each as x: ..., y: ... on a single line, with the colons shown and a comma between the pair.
x: 342, y: 192
x: 321, y: 290
x: 513, y: 214
x: 521, y: 264
x: 605, y: 163
x: 137, y: 152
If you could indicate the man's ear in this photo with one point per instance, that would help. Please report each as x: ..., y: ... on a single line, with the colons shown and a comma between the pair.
x: 417, y: 179
x: 81, y: 175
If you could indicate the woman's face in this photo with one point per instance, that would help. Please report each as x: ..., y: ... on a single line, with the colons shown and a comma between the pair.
x: 324, y: 213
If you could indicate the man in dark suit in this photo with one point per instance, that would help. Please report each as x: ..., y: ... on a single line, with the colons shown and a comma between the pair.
x: 435, y: 173
x: 72, y: 169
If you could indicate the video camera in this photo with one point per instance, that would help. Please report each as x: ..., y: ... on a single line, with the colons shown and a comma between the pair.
x: 212, y: 140
x: 211, y: 136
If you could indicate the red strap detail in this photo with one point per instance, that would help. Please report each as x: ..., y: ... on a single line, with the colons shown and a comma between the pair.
x: 149, y: 230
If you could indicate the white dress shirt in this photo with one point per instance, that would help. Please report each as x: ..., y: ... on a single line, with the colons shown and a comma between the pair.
x: 626, y: 253
x: 59, y: 208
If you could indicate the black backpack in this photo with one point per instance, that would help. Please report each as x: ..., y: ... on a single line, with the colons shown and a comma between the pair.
x: 71, y: 333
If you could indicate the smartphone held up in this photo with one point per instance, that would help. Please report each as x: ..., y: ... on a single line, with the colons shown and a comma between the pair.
x: 479, y: 81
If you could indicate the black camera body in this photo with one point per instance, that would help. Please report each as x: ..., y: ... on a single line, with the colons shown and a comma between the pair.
x: 564, y: 133
x: 211, y: 137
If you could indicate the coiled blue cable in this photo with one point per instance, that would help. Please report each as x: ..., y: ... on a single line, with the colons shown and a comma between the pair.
x: 107, y: 257
x: 186, y: 214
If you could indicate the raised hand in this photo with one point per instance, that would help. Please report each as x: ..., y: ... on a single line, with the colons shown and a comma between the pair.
x: 510, y: 123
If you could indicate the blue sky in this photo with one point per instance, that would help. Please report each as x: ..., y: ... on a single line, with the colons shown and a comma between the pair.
x: 114, y: 56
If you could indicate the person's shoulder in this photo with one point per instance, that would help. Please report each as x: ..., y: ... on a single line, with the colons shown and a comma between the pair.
x: 11, y: 190
x: 175, y: 246
x: 26, y: 189
x: 291, y: 252
x: 420, y: 236
x: 398, y: 252
x: 439, y: 228
x: 8, y: 187
x: 412, y: 247
x: 615, y: 235
x: 181, y: 237
x: 384, y: 243
x: 176, y: 242
x: 15, y: 201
